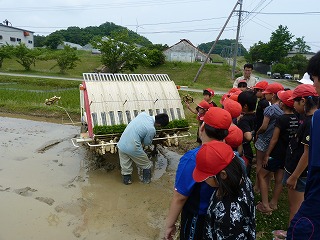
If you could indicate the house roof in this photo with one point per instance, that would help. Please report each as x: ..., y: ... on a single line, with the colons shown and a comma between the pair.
x: 2, y: 25
x: 190, y: 43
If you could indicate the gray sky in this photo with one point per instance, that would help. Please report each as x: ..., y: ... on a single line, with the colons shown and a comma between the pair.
x: 168, y: 21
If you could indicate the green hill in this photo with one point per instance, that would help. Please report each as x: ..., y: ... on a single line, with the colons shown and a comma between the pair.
x: 83, y: 36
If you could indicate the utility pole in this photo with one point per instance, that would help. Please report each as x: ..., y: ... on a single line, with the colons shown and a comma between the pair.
x: 237, y: 42
x: 224, y: 26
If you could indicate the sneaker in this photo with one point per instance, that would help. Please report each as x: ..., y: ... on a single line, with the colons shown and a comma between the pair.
x: 126, y: 179
x: 146, y: 173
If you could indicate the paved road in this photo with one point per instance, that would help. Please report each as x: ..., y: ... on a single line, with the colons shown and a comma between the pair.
x: 39, y: 76
x: 285, y: 83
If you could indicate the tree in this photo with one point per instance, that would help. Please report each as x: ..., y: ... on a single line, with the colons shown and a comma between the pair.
x: 53, y: 40
x: 301, y: 45
x: 85, y: 35
x: 257, y: 52
x: 25, y: 56
x: 5, y: 52
x: 297, y: 64
x: 280, y: 68
x: 66, y: 58
x: 223, y: 46
x: 279, y: 45
x: 275, y: 50
x: 118, y: 56
x: 160, y: 46
x: 155, y: 57
x: 39, y: 41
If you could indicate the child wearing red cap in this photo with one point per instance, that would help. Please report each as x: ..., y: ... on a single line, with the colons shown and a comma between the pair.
x: 201, y: 110
x: 234, y: 140
x: 306, y: 222
x: 235, y: 136
x: 264, y: 133
x: 262, y: 103
x: 305, y: 102
x: 233, y: 107
x: 208, y: 95
x: 190, y: 198
x: 285, y: 128
x: 231, y: 213
x: 246, y: 123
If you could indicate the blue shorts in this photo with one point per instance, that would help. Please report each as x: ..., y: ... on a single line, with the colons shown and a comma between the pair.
x: 301, y: 182
x: 274, y: 165
x: 261, y: 145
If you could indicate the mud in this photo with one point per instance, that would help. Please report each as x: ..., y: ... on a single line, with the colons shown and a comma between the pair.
x: 49, y: 191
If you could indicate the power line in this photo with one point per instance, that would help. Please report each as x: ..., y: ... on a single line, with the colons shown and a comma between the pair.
x: 189, y: 30
x: 288, y: 13
x: 184, y: 21
x: 126, y: 4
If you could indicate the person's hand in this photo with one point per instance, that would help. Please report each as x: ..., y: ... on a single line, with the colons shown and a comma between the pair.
x: 170, y: 232
x: 265, y: 161
x: 292, y: 182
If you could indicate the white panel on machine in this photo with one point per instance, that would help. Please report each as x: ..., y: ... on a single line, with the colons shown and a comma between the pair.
x: 117, y: 98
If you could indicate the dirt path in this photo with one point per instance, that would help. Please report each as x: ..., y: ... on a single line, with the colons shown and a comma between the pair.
x: 48, y: 192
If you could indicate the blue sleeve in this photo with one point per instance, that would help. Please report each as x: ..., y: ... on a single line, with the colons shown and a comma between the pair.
x: 184, y: 181
x: 149, y: 137
x: 268, y: 111
x: 314, y: 151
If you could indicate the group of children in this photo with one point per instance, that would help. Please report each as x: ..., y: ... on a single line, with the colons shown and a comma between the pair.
x: 276, y: 122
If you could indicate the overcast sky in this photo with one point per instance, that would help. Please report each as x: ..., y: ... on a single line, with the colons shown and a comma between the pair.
x: 168, y: 21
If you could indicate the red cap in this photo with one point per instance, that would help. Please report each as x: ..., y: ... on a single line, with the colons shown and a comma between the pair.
x: 235, y: 136
x: 217, y: 118
x: 210, y: 91
x: 204, y: 104
x: 212, y: 157
x: 224, y: 97
x: 234, y: 96
x: 261, y: 85
x: 284, y: 96
x: 234, y: 90
x: 233, y: 107
x: 304, y: 90
x: 273, y: 88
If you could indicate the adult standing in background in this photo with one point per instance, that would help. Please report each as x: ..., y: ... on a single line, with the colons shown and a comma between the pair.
x: 250, y: 80
x: 139, y: 132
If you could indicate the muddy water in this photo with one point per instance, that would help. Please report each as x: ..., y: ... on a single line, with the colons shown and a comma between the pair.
x: 47, y: 190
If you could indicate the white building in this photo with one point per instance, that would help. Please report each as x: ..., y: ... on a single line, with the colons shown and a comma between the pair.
x: 13, y: 36
x: 72, y: 45
x: 184, y: 51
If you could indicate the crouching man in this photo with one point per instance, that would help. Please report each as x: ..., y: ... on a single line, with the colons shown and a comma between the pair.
x: 139, y: 132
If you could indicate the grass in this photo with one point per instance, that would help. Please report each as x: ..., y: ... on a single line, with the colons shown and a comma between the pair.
x: 26, y: 95
x: 277, y: 220
x: 214, y: 76
x: 181, y: 73
x: 89, y: 62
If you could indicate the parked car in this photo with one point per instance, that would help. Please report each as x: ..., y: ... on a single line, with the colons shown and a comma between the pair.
x: 287, y: 76
x: 276, y: 76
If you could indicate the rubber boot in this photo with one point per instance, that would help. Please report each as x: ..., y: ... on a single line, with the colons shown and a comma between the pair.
x: 146, y: 175
x: 126, y: 179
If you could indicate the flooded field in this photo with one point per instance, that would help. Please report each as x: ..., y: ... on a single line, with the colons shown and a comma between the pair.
x: 49, y: 191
